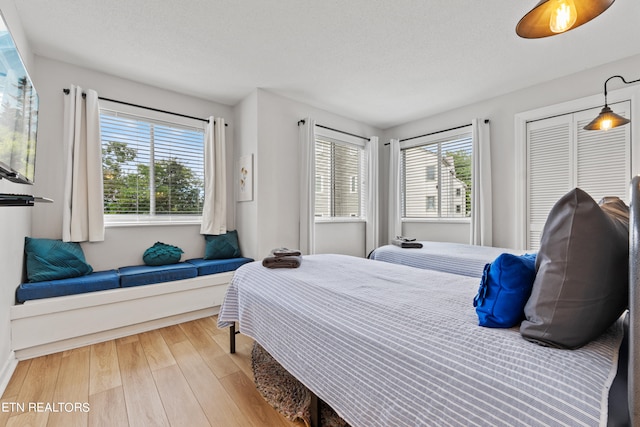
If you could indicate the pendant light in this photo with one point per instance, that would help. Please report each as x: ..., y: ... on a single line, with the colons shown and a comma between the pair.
x: 607, y: 119
x: 551, y: 17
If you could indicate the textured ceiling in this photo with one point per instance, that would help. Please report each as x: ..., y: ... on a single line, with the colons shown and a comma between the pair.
x: 380, y: 62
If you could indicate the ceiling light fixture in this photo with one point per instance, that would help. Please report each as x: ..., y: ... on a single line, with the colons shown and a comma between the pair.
x: 551, y: 17
x: 607, y: 119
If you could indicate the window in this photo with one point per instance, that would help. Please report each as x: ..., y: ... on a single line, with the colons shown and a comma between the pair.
x: 341, y: 168
x: 431, y: 203
x: 152, y: 170
x: 319, y: 184
x: 447, y: 189
x: 354, y: 184
x: 431, y: 172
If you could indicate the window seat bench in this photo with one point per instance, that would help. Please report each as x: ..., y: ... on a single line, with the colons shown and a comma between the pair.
x: 68, y: 313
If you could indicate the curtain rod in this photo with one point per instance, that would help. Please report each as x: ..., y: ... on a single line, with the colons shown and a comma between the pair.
x: 335, y: 130
x: 66, y: 92
x: 437, y: 132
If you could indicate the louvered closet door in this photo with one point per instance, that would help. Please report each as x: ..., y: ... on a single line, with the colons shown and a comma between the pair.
x: 549, y: 170
x: 562, y: 156
x: 604, y: 157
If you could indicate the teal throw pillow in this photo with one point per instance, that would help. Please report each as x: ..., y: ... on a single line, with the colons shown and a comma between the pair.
x: 162, y: 254
x: 49, y: 259
x: 222, y: 246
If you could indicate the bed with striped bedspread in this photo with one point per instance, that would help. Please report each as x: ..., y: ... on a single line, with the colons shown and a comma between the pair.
x: 457, y: 258
x: 390, y: 345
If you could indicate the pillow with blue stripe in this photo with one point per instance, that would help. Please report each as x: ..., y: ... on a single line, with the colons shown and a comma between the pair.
x: 504, y: 290
x: 49, y: 259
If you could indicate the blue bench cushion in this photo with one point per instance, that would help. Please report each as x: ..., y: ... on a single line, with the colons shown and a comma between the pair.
x: 97, y: 281
x: 213, y: 266
x: 146, y: 274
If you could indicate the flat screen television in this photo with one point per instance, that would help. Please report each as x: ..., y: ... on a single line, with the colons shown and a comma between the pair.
x: 18, y: 114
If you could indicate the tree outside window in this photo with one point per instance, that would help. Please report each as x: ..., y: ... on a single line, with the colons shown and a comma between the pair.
x: 151, y: 169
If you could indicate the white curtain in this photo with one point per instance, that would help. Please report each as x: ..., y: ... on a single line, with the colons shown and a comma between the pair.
x: 372, y: 239
x: 83, y: 208
x: 214, y: 210
x: 307, y: 185
x: 395, y: 219
x: 481, y: 211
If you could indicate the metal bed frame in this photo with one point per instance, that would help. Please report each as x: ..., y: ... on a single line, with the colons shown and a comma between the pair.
x: 633, y: 378
x: 316, y: 403
x: 633, y: 375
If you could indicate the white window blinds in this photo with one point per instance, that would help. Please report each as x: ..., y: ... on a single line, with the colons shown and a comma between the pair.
x: 340, y: 179
x: 436, y: 178
x: 152, y: 169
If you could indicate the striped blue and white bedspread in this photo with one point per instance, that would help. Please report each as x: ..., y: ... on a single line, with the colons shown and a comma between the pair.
x: 458, y: 258
x: 390, y: 345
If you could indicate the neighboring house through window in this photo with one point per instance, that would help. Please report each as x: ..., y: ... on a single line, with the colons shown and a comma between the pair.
x: 341, y: 167
x: 446, y: 158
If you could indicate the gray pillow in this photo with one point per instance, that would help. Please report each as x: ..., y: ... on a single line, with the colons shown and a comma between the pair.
x: 581, y: 284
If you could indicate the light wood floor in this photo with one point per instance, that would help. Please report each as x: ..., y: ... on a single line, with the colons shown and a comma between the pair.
x: 181, y: 375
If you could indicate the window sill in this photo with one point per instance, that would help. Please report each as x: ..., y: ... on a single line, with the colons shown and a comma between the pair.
x: 438, y: 220
x: 148, y: 222
x: 338, y: 220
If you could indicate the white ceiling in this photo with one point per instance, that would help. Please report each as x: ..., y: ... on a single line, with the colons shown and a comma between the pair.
x: 380, y: 62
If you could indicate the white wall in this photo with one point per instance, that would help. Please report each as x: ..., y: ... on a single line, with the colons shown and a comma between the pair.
x: 341, y: 238
x: 277, y: 174
x: 437, y: 231
x: 15, y: 225
x: 501, y: 112
x: 246, y: 117
x: 122, y: 246
x: 15, y: 222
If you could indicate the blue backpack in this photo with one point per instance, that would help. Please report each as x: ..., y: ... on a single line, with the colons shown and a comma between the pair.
x: 504, y: 290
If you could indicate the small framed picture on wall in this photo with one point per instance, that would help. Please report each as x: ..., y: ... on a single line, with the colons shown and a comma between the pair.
x: 245, y: 178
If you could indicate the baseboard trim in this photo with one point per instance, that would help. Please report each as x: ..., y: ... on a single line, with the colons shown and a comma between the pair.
x: 7, y: 370
x: 71, y: 343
